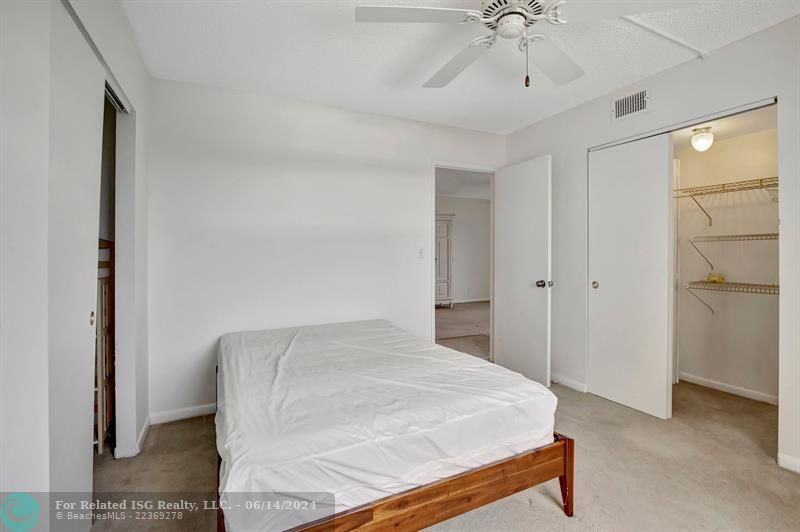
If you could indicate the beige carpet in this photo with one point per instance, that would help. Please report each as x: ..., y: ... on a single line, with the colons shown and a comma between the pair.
x: 711, y: 468
x: 464, y: 319
x: 465, y: 328
x: 477, y: 345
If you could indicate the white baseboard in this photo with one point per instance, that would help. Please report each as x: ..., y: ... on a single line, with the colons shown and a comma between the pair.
x: 480, y: 300
x: 730, y: 388
x: 120, y: 452
x: 569, y: 383
x: 143, y: 433
x: 182, y: 413
x: 791, y: 463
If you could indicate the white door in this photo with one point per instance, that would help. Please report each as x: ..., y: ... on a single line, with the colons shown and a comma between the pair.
x: 521, y: 298
x: 444, y: 252
x: 76, y: 121
x: 630, y: 274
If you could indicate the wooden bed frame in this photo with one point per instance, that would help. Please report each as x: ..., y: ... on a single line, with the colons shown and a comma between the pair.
x: 432, y: 503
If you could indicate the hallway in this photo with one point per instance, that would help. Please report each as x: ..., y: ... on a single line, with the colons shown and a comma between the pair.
x: 464, y: 328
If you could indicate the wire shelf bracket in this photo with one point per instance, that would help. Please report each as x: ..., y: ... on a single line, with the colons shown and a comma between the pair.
x: 710, y: 221
x: 701, y: 300
x: 710, y: 266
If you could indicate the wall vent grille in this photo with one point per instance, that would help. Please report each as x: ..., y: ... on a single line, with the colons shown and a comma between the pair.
x: 632, y: 104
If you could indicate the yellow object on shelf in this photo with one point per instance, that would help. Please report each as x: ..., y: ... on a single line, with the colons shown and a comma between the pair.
x: 715, y: 277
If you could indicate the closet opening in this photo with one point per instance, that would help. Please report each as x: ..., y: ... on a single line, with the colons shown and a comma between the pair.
x: 463, y: 260
x: 104, y: 440
x: 683, y: 277
x: 726, y: 227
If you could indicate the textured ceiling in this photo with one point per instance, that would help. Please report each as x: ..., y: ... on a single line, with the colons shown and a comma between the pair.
x: 312, y: 50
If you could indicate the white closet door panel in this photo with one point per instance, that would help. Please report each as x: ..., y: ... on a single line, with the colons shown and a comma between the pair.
x: 76, y: 115
x: 630, y: 259
x: 521, y: 258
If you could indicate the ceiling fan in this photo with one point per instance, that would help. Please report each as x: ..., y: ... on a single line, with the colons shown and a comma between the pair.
x: 511, y: 19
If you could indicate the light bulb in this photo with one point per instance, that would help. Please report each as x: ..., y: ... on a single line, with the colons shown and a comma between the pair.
x: 702, y: 139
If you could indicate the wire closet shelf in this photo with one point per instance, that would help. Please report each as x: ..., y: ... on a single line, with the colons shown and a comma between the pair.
x: 768, y: 183
x: 724, y: 188
x: 743, y: 288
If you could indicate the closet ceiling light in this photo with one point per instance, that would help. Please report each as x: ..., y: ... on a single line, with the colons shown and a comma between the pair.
x: 702, y: 139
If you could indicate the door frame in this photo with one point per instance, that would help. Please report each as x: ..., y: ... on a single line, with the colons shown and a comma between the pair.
x: 432, y: 246
x: 668, y: 129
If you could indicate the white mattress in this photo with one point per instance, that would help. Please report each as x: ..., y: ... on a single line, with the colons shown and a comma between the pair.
x: 363, y: 410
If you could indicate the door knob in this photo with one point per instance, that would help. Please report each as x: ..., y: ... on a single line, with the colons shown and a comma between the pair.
x: 541, y: 284
x: 595, y: 285
x: 91, y: 318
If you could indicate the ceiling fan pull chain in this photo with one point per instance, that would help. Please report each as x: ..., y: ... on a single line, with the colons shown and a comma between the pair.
x: 527, y: 62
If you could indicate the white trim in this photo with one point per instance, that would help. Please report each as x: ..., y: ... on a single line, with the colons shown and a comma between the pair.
x: 479, y: 300
x: 569, y: 383
x: 111, y: 79
x: 143, y: 433
x: 792, y: 463
x: 119, y: 452
x: 131, y: 452
x: 730, y: 388
x: 166, y: 416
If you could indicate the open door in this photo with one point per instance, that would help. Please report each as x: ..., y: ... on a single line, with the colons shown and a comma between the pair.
x: 630, y: 274
x: 521, y: 300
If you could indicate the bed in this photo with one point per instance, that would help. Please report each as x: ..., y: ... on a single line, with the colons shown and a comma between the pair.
x: 397, y: 431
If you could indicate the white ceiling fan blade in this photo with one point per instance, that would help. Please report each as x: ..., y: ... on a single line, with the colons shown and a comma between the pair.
x: 411, y: 14
x: 455, y: 66
x: 553, y: 62
x: 587, y: 10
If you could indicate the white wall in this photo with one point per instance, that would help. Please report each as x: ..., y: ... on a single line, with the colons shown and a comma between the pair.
x: 764, y: 65
x: 471, y: 276
x: 270, y: 213
x: 24, y: 167
x: 107, y: 26
x: 736, y: 348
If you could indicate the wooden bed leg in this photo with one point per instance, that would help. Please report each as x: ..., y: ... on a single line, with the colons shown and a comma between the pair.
x: 567, y: 480
x: 220, y: 515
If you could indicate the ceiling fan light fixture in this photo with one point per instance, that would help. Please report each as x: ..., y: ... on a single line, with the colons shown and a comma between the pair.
x: 702, y: 139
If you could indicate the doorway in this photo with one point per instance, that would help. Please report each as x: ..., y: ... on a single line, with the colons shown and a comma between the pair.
x: 518, y: 254
x: 726, y: 261
x: 104, y: 438
x: 463, y: 260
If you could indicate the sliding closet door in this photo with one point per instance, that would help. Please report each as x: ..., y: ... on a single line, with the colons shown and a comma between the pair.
x: 521, y: 298
x: 630, y: 274
x: 76, y: 121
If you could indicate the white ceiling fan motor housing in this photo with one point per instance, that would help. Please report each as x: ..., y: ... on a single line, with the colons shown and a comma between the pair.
x: 508, y: 16
x: 511, y: 26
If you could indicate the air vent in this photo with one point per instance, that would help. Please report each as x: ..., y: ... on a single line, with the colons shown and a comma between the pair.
x: 632, y: 104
